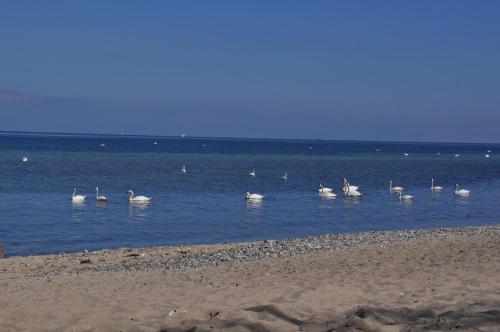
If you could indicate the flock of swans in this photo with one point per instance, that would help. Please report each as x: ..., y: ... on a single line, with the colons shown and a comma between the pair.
x: 78, y: 199
x: 324, y: 192
x: 353, y: 191
x: 348, y: 190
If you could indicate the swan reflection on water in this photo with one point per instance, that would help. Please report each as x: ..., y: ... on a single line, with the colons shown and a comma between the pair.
x: 327, y: 195
x: 100, y: 204
x: 77, y: 211
x: 348, y: 201
x: 138, y: 211
x: 254, y: 207
x: 100, y: 212
x: 78, y: 205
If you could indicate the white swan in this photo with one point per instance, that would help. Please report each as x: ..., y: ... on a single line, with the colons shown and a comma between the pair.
x: 285, y: 177
x: 394, y: 189
x: 77, y: 198
x: 255, y: 197
x: 252, y: 173
x: 24, y: 159
x: 404, y: 197
x: 99, y: 198
x: 348, y: 192
x: 457, y: 155
x: 487, y: 155
x: 327, y: 195
x: 137, y: 199
x: 435, y: 188
x: 324, y: 189
x: 351, y: 188
x: 461, y: 192
x: 183, y: 169
x: 406, y: 154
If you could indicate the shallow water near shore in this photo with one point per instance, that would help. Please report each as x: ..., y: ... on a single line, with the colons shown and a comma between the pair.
x: 207, y: 205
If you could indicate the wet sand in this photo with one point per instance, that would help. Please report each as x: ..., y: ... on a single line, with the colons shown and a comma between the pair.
x: 433, y: 280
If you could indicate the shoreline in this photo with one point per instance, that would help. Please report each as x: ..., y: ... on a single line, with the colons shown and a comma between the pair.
x: 212, y: 255
x: 399, y: 233
x: 430, y: 279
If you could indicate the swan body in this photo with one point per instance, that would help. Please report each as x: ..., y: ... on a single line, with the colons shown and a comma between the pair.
x: 99, y: 198
x: 348, y: 185
x: 323, y: 190
x: 24, y: 159
x: 137, y: 199
x: 252, y: 173
x: 353, y: 193
x: 255, y: 197
x: 457, y: 155
x: 183, y: 169
x: 394, y: 189
x: 487, y: 155
x: 77, y: 198
x: 352, y: 188
x: 406, y: 154
x: 285, y: 177
x: 348, y: 192
x: 461, y: 192
x: 435, y: 188
x: 404, y: 197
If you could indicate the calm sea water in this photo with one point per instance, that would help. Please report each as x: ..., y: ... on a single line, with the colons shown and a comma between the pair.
x: 207, y: 204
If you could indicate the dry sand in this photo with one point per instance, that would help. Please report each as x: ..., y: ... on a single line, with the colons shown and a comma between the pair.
x: 412, y: 285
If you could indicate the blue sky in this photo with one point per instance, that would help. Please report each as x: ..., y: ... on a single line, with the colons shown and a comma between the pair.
x: 367, y: 70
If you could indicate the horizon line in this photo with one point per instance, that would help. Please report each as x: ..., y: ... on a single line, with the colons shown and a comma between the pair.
x: 41, y: 133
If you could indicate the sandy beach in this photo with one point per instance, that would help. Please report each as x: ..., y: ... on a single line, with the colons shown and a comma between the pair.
x: 437, y: 279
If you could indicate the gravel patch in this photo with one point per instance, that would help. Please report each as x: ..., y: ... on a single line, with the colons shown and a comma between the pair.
x: 184, y: 258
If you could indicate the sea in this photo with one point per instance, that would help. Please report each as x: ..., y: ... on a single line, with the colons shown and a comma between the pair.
x: 207, y: 204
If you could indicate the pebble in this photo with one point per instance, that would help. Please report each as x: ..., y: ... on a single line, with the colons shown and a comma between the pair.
x: 272, y: 249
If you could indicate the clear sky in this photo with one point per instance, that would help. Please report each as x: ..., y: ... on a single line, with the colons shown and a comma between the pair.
x: 368, y: 70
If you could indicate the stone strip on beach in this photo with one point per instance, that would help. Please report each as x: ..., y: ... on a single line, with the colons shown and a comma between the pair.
x: 197, y: 256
